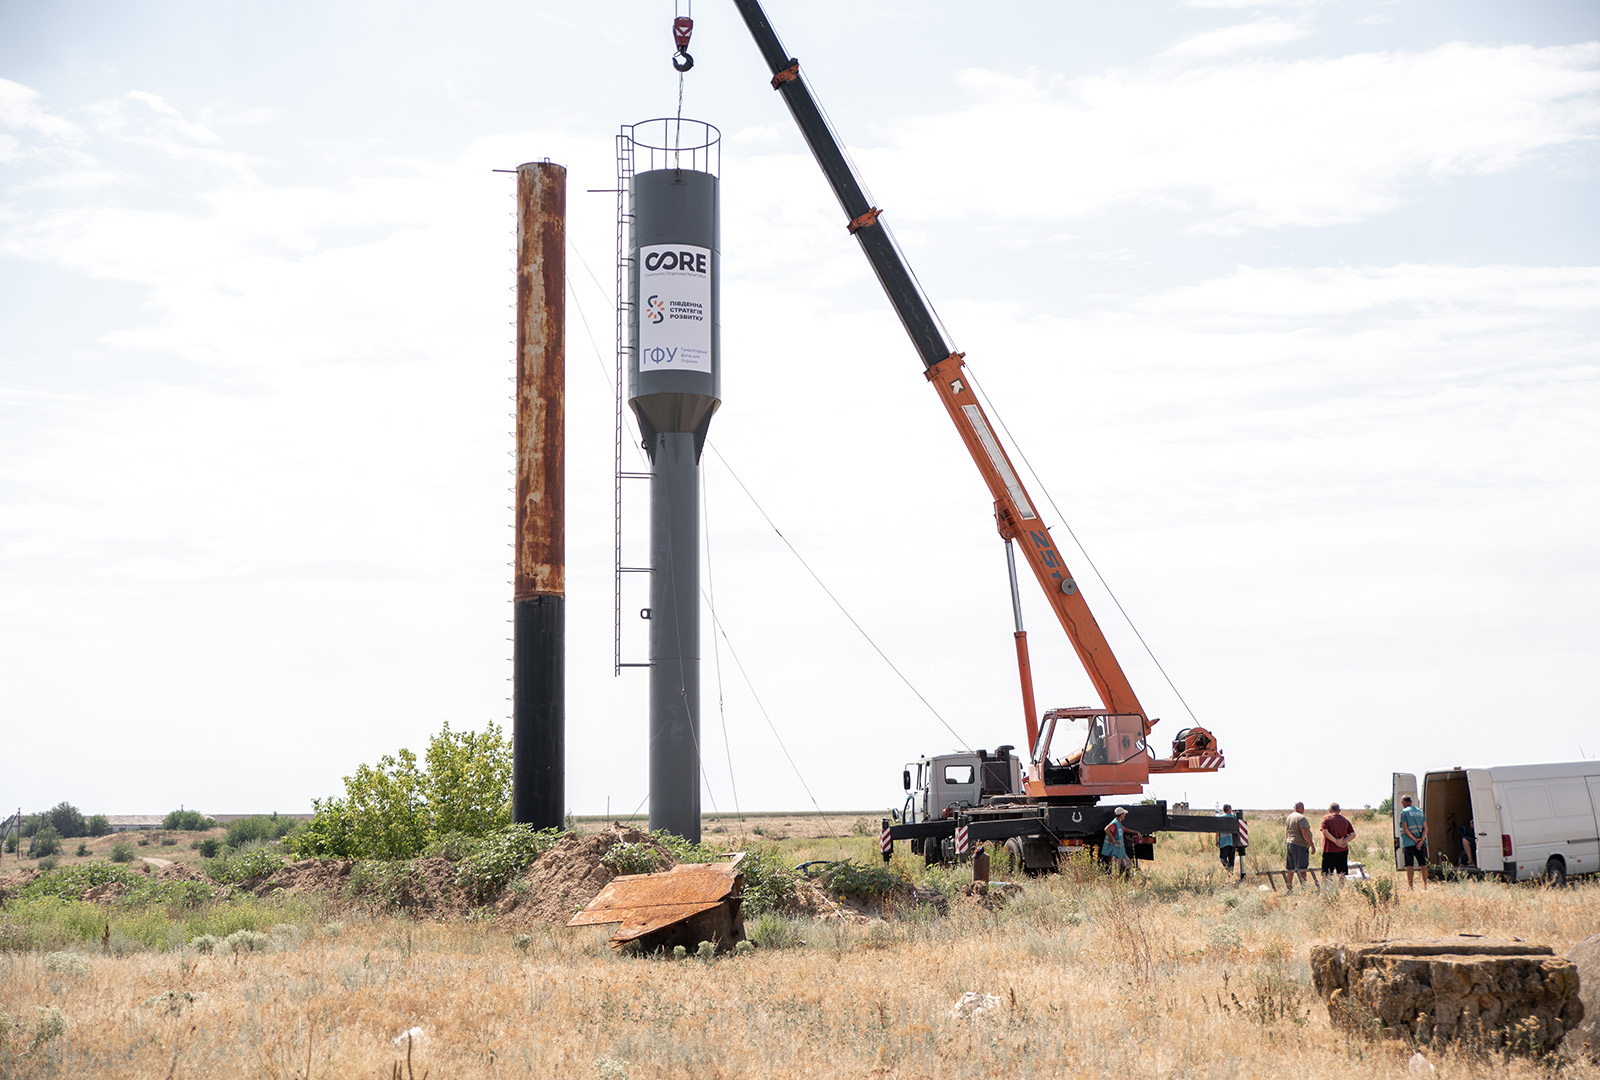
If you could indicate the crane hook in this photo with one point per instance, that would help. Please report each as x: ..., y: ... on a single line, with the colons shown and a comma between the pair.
x: 682, y: 27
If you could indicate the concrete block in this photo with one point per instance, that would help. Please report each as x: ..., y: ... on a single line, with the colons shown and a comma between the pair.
x: 1484, y: 994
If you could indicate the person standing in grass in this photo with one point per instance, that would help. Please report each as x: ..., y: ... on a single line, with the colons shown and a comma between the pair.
x: 1414, y: 840
x: 1297, y: 845
x: 1115, y: 847
x: 1225, y: 841
x: 1337, y: 832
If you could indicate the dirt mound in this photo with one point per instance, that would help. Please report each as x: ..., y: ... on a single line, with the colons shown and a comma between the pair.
x: 812, y: 901
x: 177, y: 871
x: 12, y: 884
x: 309, y: 875
x: 106, y: 893
x: 568, y: 876
x: 424, y: 888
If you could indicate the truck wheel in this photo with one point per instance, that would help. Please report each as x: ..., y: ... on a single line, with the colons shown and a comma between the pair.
x: 916, y: 846
x: 1555, y: 872
x: 930, y: 851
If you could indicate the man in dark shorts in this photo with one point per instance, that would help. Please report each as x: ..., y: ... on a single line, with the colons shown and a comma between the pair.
x: 1413, y: 840
x: 1297, y: 845
x: 1225, y: 842
x: 1337, y: 833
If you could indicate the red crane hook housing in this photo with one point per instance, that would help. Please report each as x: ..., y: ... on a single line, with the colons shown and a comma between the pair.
x: 682, y: 27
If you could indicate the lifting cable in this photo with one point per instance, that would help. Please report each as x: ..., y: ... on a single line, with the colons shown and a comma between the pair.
x: 716, y: 653
x: 716, y: 624
x: 959, y: 740
x: 994, y: 412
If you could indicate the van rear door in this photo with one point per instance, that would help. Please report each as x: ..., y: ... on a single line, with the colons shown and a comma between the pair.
x: 1485, y: 822
x: 1404, y: 784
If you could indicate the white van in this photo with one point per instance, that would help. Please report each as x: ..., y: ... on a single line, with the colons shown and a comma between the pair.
x: 1515, y: 821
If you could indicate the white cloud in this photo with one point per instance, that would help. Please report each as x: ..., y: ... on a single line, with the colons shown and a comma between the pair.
x: 1246, y: 37
x: 1244, y: 146
x: 20, y: 111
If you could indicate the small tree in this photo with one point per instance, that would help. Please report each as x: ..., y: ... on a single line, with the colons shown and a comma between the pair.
x: 99, y: 825
x: 45, y: 842
x: 394, y: 809
x: 67, y: 820
x: 469, y: 781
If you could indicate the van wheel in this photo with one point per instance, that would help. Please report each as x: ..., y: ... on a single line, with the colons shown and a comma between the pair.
x: 1555, y: 872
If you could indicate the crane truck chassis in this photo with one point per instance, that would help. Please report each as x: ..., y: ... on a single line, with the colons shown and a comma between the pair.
x: 956, y: 802
x: 1044, y: 805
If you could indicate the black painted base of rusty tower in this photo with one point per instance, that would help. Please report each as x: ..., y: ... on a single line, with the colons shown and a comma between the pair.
x: 538, y: 712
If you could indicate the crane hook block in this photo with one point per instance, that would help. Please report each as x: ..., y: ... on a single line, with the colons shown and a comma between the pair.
x: 682, y: 27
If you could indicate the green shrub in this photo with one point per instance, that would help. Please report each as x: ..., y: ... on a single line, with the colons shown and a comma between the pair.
x: 397, y: 808
x: 46, y: 923
x: 454, y: 847
x: 49, y: 862
x: 47, y: 841
x: 169, y: 841
x: 66, y: 963
x: 1378, y: 892
x: 49, y: 1023
x: 187, y: 821
x: 264, y: 828
x: 769, y: 882
x: 769, y: 931
x: 209, y: 847
x: 246, y: 941
x: 11, y: 843
x: 144, y: 841
x: 625, y: 858
x: 871, y: 882
x: 205, y: 943
x: 683, y: 850
x: 99, y: 825
x: 1386, y: 807
x: 250, y: 863
x: 83, y: 848
x: 121, y: 851
x: 71, y: 882
x: 501, y: 856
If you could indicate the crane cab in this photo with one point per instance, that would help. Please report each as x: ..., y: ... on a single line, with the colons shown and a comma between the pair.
x: 936, y: 787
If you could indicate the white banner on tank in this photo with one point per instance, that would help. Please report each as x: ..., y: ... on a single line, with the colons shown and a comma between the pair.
x: 674, y: 308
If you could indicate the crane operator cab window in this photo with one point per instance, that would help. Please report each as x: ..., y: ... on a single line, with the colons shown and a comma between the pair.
x: 1114, y: 739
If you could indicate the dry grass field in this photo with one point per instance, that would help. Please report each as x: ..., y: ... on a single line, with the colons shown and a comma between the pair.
x: 1179, y: 973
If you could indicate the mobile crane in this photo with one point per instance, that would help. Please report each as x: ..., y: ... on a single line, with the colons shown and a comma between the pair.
x: 1043, y: 806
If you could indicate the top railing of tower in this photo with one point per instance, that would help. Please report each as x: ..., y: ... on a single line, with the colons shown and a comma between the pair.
x: 674, y: 143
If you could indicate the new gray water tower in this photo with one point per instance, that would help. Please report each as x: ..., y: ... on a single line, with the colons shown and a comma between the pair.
x: 674, y: 387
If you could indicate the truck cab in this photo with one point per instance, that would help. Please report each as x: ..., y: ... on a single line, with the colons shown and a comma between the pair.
x: 936, y: 787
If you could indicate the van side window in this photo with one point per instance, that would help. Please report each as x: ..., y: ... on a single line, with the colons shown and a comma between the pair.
x: 958, y: 774
x: 1529, y: 803
x: 1571, y: 800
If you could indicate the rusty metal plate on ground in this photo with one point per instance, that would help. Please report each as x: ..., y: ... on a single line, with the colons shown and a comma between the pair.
x: 643, y: 903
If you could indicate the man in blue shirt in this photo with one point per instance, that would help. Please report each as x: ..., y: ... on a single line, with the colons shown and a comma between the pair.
x: 1225, y: 841
x: 1115, y: 847
x: 1413, y: 840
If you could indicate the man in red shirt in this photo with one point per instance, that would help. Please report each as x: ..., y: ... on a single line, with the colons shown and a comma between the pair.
x: 1337, y: 832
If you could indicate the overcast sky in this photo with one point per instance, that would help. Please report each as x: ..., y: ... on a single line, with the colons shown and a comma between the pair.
x: 1292, y: 306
